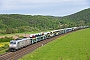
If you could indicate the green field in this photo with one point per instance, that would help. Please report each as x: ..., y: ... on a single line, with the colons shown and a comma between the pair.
x: 73, y: 46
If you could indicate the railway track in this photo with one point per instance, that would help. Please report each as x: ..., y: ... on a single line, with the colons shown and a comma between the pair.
x: 18, y: 54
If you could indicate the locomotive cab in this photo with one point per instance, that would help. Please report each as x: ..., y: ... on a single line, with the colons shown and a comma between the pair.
x: 12, y: 46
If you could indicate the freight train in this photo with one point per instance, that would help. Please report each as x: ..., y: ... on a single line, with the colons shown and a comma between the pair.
x: 34, y: 38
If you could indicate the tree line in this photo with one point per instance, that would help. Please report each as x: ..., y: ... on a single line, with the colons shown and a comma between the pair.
x: 17, y: 23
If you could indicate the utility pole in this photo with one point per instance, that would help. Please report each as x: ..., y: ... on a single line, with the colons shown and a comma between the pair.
x: 25, y: 32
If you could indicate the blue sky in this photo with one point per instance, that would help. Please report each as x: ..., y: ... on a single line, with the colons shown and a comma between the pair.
x: 43, y: 7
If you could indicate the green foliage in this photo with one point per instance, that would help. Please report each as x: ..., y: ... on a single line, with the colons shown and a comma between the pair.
x: 9, y: 31
x: 79, y: 18
x: 4, y: 48
x: 13, y: 23
x: 16, y: 23
x: 73, y: 46
x: 6, y: 39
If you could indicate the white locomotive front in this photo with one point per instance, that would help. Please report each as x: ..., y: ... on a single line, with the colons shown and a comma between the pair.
x: 19, y: 43
x: 13, y: 45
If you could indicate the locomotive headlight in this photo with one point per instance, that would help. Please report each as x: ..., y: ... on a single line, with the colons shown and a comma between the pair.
x: 12, y: 45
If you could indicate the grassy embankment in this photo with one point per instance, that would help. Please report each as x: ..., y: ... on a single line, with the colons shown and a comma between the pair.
x: 73, y: 46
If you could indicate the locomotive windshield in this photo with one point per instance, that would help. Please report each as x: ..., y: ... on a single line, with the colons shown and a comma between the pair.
x: 12, y: 42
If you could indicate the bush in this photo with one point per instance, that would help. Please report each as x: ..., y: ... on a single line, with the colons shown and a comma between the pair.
x: 6, y: 39
x: 4, y: 47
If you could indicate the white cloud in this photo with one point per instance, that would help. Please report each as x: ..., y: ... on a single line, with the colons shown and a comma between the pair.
x: 13, y: 4
x: 40, y: 5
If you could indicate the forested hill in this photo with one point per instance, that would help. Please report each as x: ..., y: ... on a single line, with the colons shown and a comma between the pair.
x: 14, y: 23
x: 11, y: 23
x: 80, y: 18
